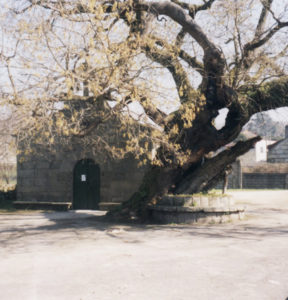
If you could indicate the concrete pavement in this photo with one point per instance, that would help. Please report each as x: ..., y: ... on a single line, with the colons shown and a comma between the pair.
x: 76, y: 256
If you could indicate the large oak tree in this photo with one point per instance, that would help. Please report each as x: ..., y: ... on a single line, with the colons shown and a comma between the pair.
x: 201, y: 56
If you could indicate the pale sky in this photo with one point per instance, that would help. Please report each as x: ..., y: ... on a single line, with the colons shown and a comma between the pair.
x: 278, y: 115
x: 164, y: 86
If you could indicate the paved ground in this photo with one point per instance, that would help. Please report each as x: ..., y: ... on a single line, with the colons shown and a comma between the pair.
x: 74, y: 256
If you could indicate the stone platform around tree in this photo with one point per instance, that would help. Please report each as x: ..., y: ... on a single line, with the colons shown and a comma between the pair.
x: 200, y: 209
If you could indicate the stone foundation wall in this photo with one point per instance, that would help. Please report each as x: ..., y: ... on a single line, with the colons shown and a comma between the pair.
x: 50, y: 178
x: 198, y: 209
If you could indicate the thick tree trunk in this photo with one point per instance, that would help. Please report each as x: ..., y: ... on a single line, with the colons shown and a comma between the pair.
x: 201, y: 178
x: 160, y: 180
x: 156, y: 182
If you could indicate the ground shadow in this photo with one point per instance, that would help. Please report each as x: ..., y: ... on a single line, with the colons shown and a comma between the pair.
x: 80, y: 223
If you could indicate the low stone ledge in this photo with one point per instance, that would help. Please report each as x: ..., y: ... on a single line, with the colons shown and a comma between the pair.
x: 197, y: 209
x: 194, y: 209
x: 58, y: 206
x: 196, y: 216
x: 196, y: 200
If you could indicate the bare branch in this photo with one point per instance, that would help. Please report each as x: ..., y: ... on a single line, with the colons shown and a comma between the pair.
x: 192, y: 8
x: 170, y: 61
x: 258, y: 43
x: 260, y: 37
x: 192, y: 62
x: 194, y: 183
x: 263, y: 17
x: 11, y: 79
x: 179, y: 15
x: 180, y: 37
x: 153, y: 112
x: 214, y: 62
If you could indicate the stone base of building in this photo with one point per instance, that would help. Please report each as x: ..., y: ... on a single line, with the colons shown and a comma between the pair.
x: 34, y: 205
x: 58, y: 206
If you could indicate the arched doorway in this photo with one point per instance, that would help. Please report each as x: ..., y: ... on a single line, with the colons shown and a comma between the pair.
x: 86, y: 185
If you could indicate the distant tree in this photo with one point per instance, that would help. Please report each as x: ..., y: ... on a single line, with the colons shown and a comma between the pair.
x: 179, y: 63
x: 262, y: 124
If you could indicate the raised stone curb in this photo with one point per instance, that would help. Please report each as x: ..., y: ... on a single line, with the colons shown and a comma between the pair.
x: 196, y: 201
x: 196, y: 209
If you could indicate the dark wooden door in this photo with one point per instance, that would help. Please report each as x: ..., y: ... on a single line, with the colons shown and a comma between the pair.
x: 86, y: 185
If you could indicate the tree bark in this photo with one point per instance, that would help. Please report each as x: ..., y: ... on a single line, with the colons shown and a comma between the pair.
x: 195, y: 135
x: 201, y: 174
x: 159, y: 181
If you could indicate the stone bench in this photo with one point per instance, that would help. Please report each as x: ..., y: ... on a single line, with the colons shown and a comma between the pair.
x: 58, y: 206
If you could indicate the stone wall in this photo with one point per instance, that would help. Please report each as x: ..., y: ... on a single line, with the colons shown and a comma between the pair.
x: 45, y: 180
x: 49, y: 177
x: 191, y: 209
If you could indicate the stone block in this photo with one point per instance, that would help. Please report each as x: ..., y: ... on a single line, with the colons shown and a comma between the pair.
x: 40, y: 181
x: 40, y: 173
x: 118, y: 174
x: 27, y: 173
x: 105, y: 183
x: 186, y: 215
x: 58, y: 187
x: 204, y: 201
x: 27, y: 182
x: 67, y: 165
x: 55, y: 164
x: 64, y: 177
x: 42, y: 164
x: 117, y: 199
x: 108, y: 167
x: 54, y: 198
x: 26, y: 165
x: 124, y: 185
x: 19, y: 196
x: 30, y: 196
x: 214, y: 202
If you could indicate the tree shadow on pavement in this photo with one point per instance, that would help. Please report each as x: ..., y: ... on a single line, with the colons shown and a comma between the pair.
x: 82, y: 225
